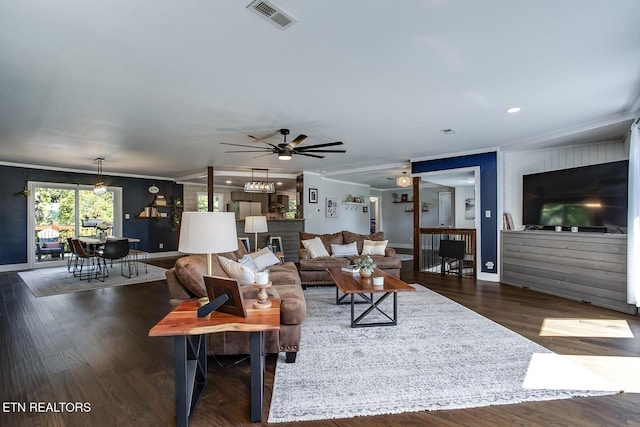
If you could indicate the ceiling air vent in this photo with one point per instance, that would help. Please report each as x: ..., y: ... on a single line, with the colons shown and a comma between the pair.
x: 272, y: 13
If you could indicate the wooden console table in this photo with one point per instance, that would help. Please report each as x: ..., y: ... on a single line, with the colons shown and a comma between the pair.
x: 189, y: 332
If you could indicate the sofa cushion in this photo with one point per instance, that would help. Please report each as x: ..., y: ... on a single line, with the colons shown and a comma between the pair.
x: 235, y: 270
x: 327, y: 239
x: 190, y: 270
x: 372, y: 247
x: 322, y: 263
x: 386, y: 262
x: 350, y: 237
x: 284, y: 274
x: 315, y: 247
x: 350, y: 249
x: 293, y: 308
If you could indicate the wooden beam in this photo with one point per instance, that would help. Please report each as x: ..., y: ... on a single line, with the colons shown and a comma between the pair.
x: 417, y: 210
x: 210, y: 188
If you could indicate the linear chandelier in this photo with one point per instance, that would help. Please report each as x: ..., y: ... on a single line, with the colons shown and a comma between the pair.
x: 99, y: 188
x: 259, y: 186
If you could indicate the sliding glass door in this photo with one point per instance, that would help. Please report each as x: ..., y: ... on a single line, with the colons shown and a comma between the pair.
x: 59, y: 211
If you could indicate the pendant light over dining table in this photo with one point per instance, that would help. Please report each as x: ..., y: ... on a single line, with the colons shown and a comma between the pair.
x: 99, y: 188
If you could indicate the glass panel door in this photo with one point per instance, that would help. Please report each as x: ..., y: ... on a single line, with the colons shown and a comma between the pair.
x: 60, y: 211
x: 54, y: 217
x: 96, y: 213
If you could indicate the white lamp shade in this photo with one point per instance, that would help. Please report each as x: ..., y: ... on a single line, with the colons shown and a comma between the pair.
x: 255, y: 224
x: 208, y: 232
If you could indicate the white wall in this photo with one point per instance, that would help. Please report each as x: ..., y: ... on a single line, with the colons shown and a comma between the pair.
x: 461, y: 194
x: 350, y: 217
x: 518, y: 163
x: 398, y: 223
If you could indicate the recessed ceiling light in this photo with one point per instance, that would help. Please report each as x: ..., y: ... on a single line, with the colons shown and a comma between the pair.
x: 513, y: 110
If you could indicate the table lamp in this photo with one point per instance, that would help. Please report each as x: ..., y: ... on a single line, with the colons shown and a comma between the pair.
x: 255, y: 225
x: 208, y: 233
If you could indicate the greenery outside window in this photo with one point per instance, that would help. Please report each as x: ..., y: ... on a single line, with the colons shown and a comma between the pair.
x: 203, y: 202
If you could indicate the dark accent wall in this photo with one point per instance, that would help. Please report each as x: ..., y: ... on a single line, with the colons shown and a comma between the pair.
x: 488, y: 197
x: 135, y: 196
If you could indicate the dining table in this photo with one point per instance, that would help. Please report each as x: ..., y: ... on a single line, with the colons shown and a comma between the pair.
x: 97, y: 241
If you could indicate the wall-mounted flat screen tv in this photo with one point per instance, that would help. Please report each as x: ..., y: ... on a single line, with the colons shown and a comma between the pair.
x: 589, y: 197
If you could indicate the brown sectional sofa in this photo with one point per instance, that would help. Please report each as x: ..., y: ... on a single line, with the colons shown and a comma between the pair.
x: 313, y: 270
x: 185, y: 281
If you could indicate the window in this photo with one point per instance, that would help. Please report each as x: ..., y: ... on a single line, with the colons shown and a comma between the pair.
x: 203, y: 202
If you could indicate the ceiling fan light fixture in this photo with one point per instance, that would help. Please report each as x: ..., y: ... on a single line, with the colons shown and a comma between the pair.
x: 403, y: 181
x: 284, y: 155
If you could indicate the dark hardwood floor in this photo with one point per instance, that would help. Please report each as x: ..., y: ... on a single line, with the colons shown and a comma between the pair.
x: 92, y: 347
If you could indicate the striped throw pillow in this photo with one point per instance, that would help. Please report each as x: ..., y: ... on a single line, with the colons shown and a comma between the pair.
x: 344, y: 250
x: 315, y: 247
x: 374, y: 247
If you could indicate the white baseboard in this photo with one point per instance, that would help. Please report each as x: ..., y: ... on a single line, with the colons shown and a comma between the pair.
x: 489, y: 277
x: 14, y: 267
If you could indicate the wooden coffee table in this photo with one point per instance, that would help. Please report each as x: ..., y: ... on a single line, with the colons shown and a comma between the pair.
x: 353, y: 284
x: 190, y: 347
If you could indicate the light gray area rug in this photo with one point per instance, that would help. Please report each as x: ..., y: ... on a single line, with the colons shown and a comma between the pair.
x: 441, y: 355
x: 57, y: 280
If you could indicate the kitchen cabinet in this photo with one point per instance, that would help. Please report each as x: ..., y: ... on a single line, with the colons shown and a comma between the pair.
x: 245, y: 209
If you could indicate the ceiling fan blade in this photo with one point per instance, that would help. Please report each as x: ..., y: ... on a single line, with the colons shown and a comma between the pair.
x: 295, y: 142
x: 268, y: 154
x: 242, y: 145
x: 320, y: 151
x: 328, y: 144
x: 310, y: 155
x: 266, y: 150
x: 265, y: 137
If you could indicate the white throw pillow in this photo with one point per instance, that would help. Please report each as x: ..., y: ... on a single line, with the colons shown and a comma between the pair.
x: 315, y: 247
x: 350, y: 249
x: 374, y: 247
x: 264, y: 258
x: 235, y: 270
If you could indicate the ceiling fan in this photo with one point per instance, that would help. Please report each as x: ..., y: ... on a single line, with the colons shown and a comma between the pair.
x: 286, y: 149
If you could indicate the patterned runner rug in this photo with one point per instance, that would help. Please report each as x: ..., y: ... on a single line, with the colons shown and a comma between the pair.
x: 441, y: 355
x: 57, y: 280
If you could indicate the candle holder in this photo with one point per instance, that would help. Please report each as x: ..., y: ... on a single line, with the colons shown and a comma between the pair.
x: 263, y: 301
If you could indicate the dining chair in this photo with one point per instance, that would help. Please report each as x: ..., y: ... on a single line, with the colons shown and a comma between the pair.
x: 88, y: 256
x: 72, y: 260
x: 115, y: 249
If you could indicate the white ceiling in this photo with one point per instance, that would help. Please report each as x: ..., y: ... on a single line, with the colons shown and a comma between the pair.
x: 154, y: 86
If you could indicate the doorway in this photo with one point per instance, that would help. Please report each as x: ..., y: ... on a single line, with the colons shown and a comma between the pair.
x: 58, y: 211
x: 374, y: 214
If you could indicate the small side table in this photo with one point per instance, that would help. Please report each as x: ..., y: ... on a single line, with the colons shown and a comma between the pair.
x: 190, y: 346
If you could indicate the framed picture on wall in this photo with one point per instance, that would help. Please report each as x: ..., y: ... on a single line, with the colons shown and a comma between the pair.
x: 332, y: 208
x: 313, y: 195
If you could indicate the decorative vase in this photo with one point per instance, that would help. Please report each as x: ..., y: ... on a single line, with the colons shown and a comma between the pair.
x: 365, y: 272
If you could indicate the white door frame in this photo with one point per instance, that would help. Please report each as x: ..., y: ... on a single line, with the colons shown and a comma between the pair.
x: 31, y: 222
